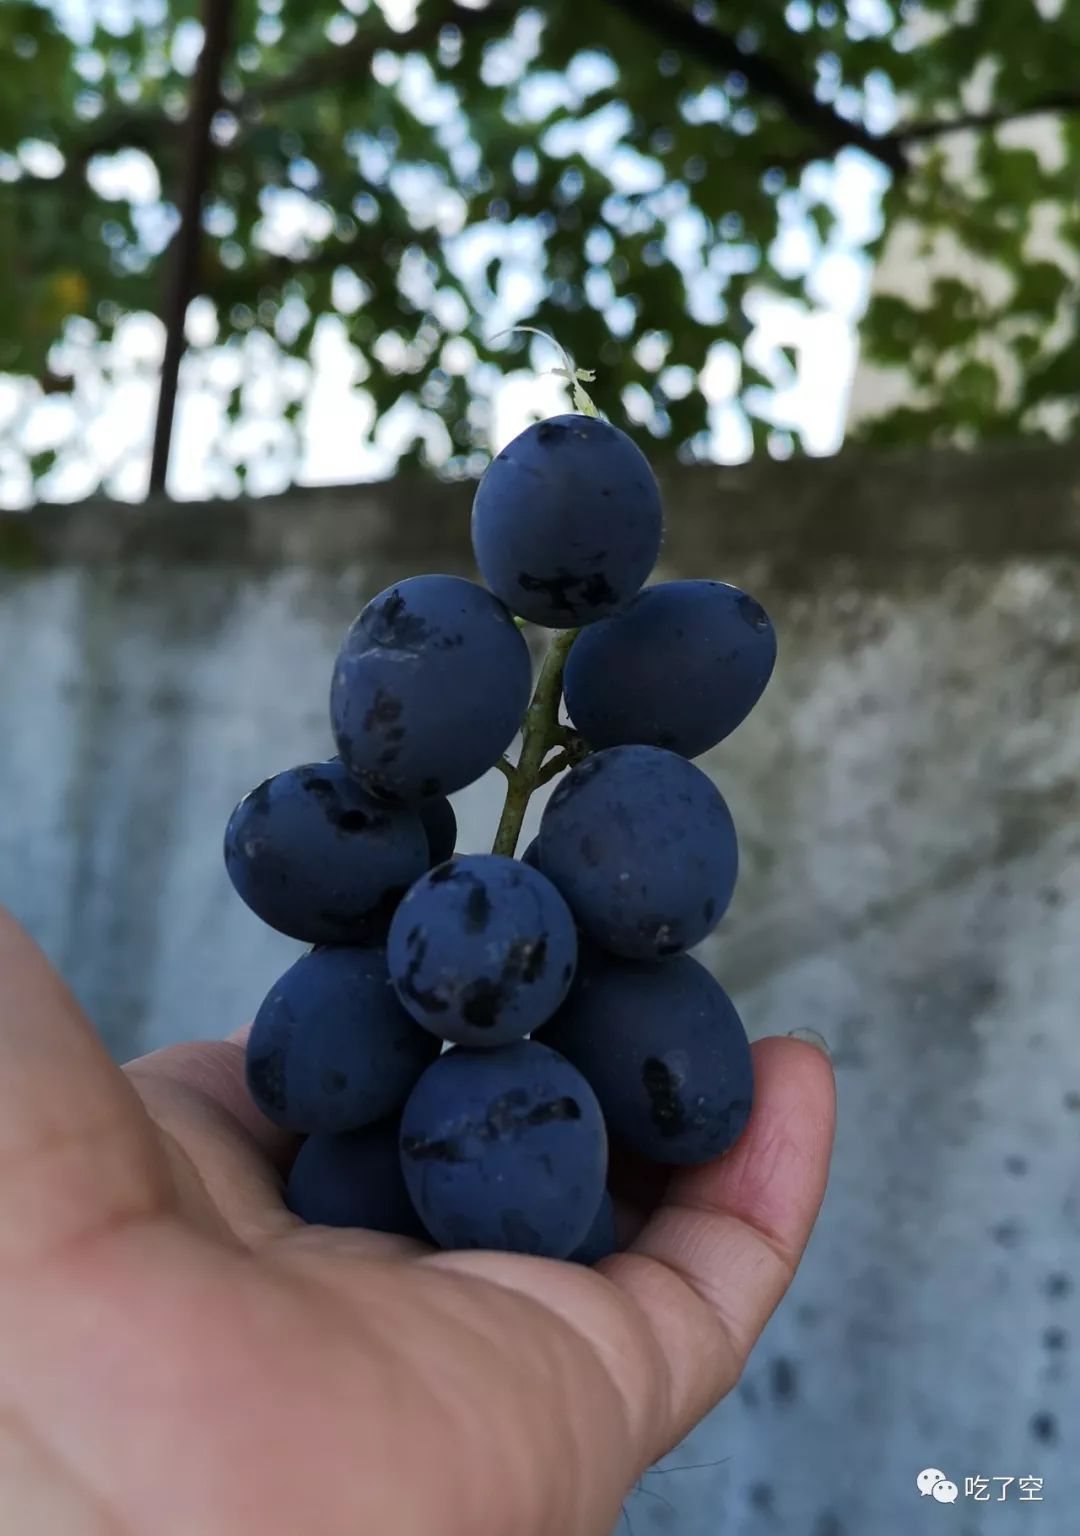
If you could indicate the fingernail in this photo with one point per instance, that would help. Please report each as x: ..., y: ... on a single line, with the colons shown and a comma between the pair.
x: 812, y: 1037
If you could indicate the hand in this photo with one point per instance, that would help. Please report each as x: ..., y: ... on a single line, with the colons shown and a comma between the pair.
x: 179, y: 1356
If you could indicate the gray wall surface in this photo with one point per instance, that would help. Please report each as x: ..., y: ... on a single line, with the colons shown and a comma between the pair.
x: 906, y: 796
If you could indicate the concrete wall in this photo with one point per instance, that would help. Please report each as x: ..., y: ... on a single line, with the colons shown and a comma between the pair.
x: 906, y: 796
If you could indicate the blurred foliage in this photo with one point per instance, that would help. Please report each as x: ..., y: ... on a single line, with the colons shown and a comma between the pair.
x: 616, y: 171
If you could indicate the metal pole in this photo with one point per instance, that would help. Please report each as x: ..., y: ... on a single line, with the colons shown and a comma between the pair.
x: 184, y: 258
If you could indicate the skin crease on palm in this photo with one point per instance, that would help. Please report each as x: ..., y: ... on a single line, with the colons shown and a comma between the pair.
x: 180, y: 1356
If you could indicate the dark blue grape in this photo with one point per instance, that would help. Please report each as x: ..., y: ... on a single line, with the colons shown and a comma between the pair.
x: 354, y: 1179
x: 531, y: 856
x: 567, y: 520
x: 440, y: 824
x: 331, y: 1048
x: 680, y: 667
x: 665, y: 1051
x: 430, y: 688
x: 600, y: 1239
x: 643, y: 847
x: 482, y: 950
x: 318, y: 859
x: 505, y: 1149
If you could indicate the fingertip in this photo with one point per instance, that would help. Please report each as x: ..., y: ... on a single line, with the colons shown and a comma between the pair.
x: 811, y: 1037
x: 774, y: 1177
x: 795, y: 1080
x: 797, y: 1069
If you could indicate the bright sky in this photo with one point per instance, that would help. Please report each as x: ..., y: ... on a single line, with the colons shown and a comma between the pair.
x: 105, y: 427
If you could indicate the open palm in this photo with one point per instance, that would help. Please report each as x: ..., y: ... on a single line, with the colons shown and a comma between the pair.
x: 179, y: 1356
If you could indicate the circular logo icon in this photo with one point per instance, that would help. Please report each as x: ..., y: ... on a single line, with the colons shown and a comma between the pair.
x: 926, y: 1480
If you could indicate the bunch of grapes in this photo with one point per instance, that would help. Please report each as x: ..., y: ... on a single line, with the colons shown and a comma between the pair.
x: 467, y: 1031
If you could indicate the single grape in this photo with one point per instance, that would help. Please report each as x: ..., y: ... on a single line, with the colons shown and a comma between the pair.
x: 643, y: 848
x: 680, y: 667
x: 354, y: 1179
x: 331, y: 1048
x: 505, y: 1149
x: 665, y: 1051
x: 531, y: 856
x: 430, y: 687
x: 482, y: 950
x: 440, y: 824
x: 317, y: 858
x: 566, y: 522
x: 599, y: 1241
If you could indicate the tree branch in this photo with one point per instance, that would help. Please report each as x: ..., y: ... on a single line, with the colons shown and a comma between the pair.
x: 916, y: 133
x: 668, y: 20
x: 182, y: 267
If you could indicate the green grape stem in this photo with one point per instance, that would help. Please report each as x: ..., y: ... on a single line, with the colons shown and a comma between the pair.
x: 554, y: 767
x: 576, y: 377
x: 540, y: 733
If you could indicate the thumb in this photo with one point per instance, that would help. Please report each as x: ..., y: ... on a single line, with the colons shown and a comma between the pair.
x: 77, y: 1152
